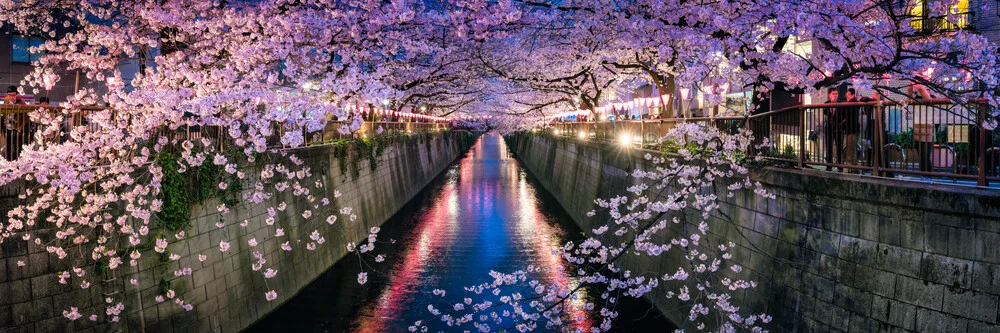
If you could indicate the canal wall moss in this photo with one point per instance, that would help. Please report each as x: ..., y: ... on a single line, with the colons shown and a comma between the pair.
x: 832, y: 252
x: 376, y: 177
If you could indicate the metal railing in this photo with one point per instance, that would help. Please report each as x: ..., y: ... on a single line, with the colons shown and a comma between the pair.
x: 18, y: 130
x: 931, y: 138
x: 645, y: 133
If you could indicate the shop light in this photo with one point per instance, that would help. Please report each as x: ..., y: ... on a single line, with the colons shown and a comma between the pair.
x: 624, y: 139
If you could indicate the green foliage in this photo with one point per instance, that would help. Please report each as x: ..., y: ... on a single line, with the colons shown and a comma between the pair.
x: 101, y: 266
x: 180, y: 190
x: 175, y: 212
x: 371, y: 149
x: 365, y: 149
x: 788, y: 152
x: 340, y: 152
x: 941, y: 136
x: 962, y: 148
x: 903, y: 139
x: 164, y: 286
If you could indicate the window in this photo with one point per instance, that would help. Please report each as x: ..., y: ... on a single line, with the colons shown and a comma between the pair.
x: 926, y: 19
x: 20, y: 45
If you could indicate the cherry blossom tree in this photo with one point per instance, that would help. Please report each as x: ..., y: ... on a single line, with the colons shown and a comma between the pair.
x: 266, y: 74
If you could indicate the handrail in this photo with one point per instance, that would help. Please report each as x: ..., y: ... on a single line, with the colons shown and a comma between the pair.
x: 912, y: 131
x: 25, y: 108
x: 13, y: 141
x: 912, y: 102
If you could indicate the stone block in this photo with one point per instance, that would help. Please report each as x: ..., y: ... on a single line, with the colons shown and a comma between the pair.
x: 35, y: 264
x: 778, y: 206
x: 962, y: 243
x: 17, y: 291
x: 911, y: 234
x: 30, y: 312
x: 952, y: 272
x: 57, y: 324
x: 986, y: 278
x: 930, y: 321
x: 888, y: 230
x: 29, y: 328
x: 823, y: 241
x: 14, y: 248
x: 768, y: 224
x: 902, y: 315
x: 819, y: 287
x: 77, y: 297
x: 862, y: 324
x: 919, y: 292
x: 5, y: 315
x: 981, y: 327
x: 936, y: 238
x: 971, y: 304
x: 898, y: 260
x: 868, y: 225
x: 848, y: 223
x: 852, y: 299
x: 761, y: 242
x: 987, y: 246
x: 954, y: 220
x: 202, y: 276
x: 858, y: 250
x: 793, y: 233
x: 47, y: 285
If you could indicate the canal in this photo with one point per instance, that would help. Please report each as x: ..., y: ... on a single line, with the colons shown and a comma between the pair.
x: 484, y: 213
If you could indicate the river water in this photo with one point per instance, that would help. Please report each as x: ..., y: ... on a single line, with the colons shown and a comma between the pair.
x: 484, y: 213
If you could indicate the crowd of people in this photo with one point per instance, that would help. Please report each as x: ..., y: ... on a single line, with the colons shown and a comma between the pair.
x: 18, y: 129
x: 842, y: 125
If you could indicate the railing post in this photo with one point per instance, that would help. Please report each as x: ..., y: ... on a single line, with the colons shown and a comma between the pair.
x: 802, y: 138
x: 981, y: 178
x: 877, y: 130
x: 642, y: 133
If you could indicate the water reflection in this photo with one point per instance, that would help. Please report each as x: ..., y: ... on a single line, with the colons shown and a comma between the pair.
x: 483, y: 214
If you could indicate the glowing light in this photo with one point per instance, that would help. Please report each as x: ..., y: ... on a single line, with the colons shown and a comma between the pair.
x: 624, y: 139
x: 583, y: 135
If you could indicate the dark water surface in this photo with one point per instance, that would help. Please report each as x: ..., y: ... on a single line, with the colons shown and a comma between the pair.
x: 484, y: 213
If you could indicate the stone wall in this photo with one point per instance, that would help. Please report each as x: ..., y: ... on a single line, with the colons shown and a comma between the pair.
x: 227, y: 295
x: 832, y: 252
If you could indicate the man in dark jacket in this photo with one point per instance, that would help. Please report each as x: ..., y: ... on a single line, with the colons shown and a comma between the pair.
x: 828, y: 131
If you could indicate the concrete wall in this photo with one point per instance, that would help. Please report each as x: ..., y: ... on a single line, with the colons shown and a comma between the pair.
x: 227, y: 295
x: 830, y: 253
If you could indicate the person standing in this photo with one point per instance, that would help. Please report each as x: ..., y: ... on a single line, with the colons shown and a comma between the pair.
x: 13, y: 125
x: 851, y: 125
x: 828, y: 132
